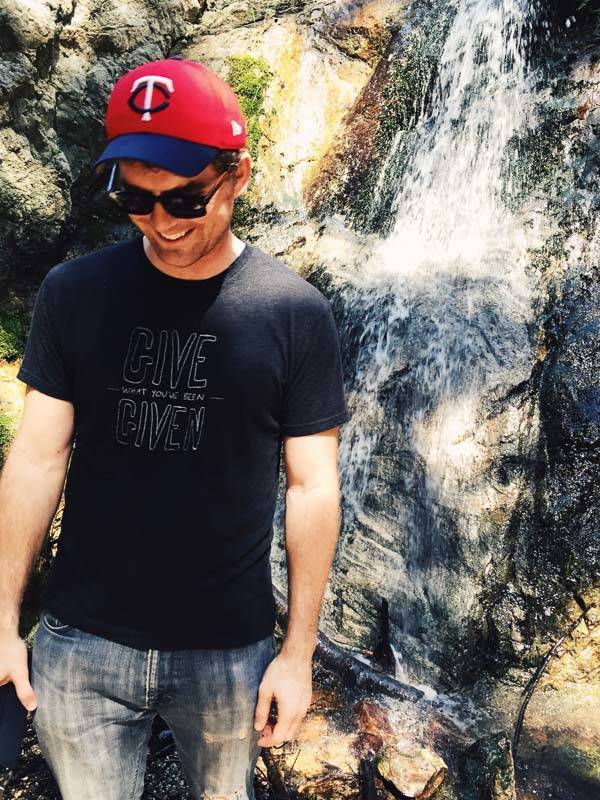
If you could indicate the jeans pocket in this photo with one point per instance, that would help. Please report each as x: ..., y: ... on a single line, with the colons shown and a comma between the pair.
x: 53, y: 624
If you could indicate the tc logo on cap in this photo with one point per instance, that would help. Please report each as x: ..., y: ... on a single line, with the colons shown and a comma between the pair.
x: 149, y: 82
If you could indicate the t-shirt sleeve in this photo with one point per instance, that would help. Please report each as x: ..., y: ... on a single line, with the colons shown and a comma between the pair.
x: 314, y: 398
x: 43, y: 365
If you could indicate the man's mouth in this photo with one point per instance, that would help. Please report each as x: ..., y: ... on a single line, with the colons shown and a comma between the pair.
x: 175, y: 237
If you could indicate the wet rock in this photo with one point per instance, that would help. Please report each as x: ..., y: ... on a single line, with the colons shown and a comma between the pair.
x: 415, y: 772
x: 388, y: 105
x: 373, y: 718
x: 374, y: 726
x: 577, y: 660
x: 367, y: 745
x: 321, y: 743
x: 490, y: 766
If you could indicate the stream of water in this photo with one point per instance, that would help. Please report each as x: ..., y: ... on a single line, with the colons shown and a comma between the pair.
x: 438, y: 321
x: 455, y: 256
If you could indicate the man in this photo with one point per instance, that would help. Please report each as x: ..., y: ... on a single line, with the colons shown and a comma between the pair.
x: 171, y: 367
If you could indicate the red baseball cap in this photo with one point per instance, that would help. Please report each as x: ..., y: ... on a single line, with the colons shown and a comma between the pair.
x: 173, y: 113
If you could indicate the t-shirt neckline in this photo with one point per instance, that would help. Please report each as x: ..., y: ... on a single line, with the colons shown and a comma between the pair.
x: 193, y: 284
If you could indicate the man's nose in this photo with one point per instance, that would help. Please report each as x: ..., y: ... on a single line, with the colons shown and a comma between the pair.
x: 160, y: 218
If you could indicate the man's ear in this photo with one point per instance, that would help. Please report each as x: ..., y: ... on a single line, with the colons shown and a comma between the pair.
x: 242, y: 174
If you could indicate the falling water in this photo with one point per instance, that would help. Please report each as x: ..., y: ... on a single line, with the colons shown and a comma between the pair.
x: 438, y: 329
x: 454, y: 253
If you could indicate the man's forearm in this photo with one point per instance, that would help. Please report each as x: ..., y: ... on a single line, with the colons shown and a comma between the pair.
x: 312, y: 523
x: 30, y: 491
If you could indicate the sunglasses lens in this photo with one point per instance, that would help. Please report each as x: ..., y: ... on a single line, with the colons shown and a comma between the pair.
x: 133, y: 202
x: 182, y: 205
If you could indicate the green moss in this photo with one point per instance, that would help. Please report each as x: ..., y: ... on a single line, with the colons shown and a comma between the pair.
x: 30, y: 636
x: 580, y: 759
x: 6, y: 434
x: 243, y: 216
x: 249, y: 77
x: 13, y: 334
x: 8, y: 429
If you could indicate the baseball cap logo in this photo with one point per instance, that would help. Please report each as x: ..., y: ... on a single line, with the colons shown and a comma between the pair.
x: 147, y: 84
x: 236, y: 128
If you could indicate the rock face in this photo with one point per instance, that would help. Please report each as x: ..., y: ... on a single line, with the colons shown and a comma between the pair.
x: 59, y: 60
x: 334, y: 46
x: 553, y: 559
x: 508, y: 541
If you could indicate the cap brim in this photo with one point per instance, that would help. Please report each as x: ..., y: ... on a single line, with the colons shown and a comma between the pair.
x: 175, y: 155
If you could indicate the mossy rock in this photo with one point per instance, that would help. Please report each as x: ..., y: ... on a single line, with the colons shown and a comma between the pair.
x: 6, y: 434
x: 581, y: 759
x: 13, y: 332
x: 249, y: 77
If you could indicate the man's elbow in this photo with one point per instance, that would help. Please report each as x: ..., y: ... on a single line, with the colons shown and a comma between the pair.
x: 324, y: 490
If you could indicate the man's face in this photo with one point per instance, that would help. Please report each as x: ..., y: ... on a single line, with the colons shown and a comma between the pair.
x: 202, y: 234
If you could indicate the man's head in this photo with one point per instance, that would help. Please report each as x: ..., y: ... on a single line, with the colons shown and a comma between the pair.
x: 228, y: 174
x: 174, y: 125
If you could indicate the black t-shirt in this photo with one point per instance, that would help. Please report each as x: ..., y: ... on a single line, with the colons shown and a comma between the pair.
x: 182, y: 390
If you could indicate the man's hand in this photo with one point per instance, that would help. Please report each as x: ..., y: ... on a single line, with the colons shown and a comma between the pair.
x: 14, y: 667
x: 287, y: 680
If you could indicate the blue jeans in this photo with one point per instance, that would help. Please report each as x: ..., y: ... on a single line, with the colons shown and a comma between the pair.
x: 97, y: 700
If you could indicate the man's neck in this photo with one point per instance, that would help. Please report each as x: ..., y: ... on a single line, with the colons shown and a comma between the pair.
x: 214, y: 262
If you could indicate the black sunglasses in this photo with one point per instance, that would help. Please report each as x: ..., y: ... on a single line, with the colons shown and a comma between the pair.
x: 176, y: 202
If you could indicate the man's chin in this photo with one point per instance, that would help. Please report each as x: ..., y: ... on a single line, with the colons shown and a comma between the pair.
x: 177, y: 255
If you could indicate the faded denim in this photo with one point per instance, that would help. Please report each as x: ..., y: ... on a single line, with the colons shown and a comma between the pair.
x: 97, y: 699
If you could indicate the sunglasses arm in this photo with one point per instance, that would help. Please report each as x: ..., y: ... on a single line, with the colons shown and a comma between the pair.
x: 112, y: 177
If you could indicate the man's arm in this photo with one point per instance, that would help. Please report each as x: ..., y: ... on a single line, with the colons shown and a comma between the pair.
x: 31, y: 485
x: 312, y: 522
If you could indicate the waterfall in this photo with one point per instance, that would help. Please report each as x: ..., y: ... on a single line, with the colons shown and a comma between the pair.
x: 452, y: 241
x: 438, y: 323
